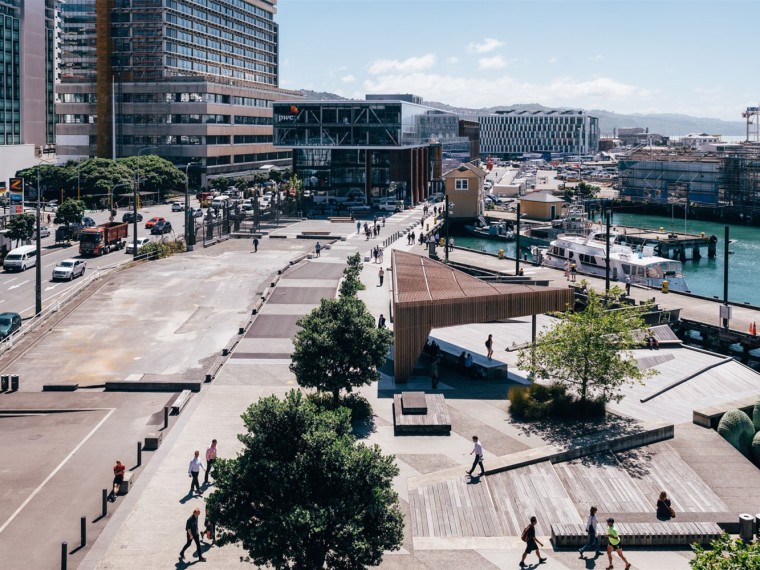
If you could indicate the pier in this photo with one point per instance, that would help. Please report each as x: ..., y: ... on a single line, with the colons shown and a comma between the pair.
x: 673, y: 245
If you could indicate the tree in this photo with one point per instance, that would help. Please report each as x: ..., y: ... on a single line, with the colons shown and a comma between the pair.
x: 70, y: 212
x: 157, y: 175
x: 726, y: 553
x: 21, y: 227
x: 302, y: 494
x: 582, y: 191
x: 338, y: 347
x: 351, y: 276
x: 296, y: 188
x: 589, y: 350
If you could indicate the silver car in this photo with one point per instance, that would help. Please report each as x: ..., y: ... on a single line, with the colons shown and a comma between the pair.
x: 68, y: 269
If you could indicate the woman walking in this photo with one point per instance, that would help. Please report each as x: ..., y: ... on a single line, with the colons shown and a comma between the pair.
x: 489, y: 346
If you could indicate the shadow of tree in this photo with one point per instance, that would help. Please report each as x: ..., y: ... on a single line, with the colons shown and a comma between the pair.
x: 566, y: 433
x: 636, y: 462
x: 362, y: 429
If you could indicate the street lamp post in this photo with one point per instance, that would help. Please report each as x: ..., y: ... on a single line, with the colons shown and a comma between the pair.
x: 188, y: 243
x: 38, y: 247
x: 449, y: 208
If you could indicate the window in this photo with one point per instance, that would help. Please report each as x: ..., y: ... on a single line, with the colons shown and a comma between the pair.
x: 460, y: 183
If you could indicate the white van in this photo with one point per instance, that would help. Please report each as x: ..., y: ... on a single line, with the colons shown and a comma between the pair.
x: 220, y: 202
x: 21, y: 258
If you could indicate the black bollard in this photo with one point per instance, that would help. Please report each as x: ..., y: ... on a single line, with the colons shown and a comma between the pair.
x: 139, y: 454
x: 83, y: 531
x: 208, y: 377
x: 4, y: 383
x: 64, y: 555
x: 14, y: 383
x: 166, y: 417
x: 104, y: 500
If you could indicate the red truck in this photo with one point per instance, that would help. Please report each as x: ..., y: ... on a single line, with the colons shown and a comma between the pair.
x: 103, y: 238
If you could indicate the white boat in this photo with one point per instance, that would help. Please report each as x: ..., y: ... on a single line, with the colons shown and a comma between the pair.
x: 497, y: 230
x: 588, y: 253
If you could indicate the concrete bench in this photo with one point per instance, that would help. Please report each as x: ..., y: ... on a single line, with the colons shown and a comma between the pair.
x: 640, y: 534
x: 710, y: 417
x: 180, y: 402
x: 153, y: 440
x: 126, y: 484
x: 340, y: 219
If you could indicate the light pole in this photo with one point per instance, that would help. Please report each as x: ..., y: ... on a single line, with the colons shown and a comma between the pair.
x: 449, y: 209
x: 187, y: 206
x: 38, y: 243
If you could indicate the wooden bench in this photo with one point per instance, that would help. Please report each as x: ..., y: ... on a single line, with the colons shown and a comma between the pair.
x: 640, y: 534
x: 126, y: 484
x: 340, y: 219
x: 180, y: 402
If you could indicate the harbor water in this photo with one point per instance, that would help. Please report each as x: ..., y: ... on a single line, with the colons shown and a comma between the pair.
x: 704, y: 276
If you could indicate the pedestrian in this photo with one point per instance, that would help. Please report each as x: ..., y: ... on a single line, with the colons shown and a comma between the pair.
x: 382, y: 218
x: 593, y: 537
x: 627, y: 286
x: 380, y: 253
x: 664, y: 511
x: 381, y: 276
x: 118, y: 479
x: 209, y: 529
x: 566, y: 267
x: 48, y: 219
x: 255, y: 244
x: 573, y: 272
x: 358, y: 227
x: 434, y: 371
x: 191, y: 529
x: 381, y: 322
x: 614, y: 543
x: 374, y: 254
x: 318, y: 249
x: 210, y: 460
x: 478, y: 452
x: 366, y: 232
x: 532, y: 543
x: 193, y: 470
x: 489, y: 346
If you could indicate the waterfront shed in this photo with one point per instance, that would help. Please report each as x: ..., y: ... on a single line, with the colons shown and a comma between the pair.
x: 541, y: 206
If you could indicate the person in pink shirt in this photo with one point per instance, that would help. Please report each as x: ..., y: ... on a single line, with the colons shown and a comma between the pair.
x: 210, y: 459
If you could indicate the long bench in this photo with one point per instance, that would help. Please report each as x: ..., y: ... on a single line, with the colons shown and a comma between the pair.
x: 640, y: 534
x: 180, y: 402
x: 340, y: 219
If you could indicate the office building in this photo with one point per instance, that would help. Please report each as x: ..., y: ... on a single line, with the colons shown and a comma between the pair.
x: 189, y: 80
x: 387, y: 146
x: 27, y: 72
x: 510, y: 134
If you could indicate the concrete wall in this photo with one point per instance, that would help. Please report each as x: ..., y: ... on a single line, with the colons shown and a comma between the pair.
x: 33, y: 80
x: 15, y: 157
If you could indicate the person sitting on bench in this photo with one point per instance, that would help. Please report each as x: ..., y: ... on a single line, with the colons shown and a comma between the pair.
x: 652, y: 341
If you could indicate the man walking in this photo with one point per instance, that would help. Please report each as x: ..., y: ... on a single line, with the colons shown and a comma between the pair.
x: 191, y: 529
x: 529, y: 537
x: 478, y: 452
x: 255, y: 244
x: 489, y: 346
x: 210, y: 460
x: 381, y: 322
x: 318, y: 248
x: 381, y: 276
x: 193, y: 470
x: 593, y: 537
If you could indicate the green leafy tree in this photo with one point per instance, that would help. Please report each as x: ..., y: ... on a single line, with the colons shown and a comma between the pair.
x: 302, y: 494
x: 219, y: 184
x: 51, y: 177
x: 725, y: 553
x: 296, y: 188
x: 589, y: 350
x: 582, y: 191
x: 157, y: 175
x: 351, y: 276
x: 338, y: 347
x: 21, y: 227
x: 70, y: 212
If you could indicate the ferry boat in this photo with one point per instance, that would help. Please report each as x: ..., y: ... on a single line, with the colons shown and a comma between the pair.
x: 497, y: 231
x: 589, y: 253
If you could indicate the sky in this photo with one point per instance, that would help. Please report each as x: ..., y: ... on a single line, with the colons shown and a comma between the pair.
x: 693, y: 57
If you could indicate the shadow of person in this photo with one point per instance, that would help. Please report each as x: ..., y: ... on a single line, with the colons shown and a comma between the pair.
x: 473, y: 479
x: 187, y: 497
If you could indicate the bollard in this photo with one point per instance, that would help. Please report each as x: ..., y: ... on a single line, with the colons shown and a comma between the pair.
x: 746, y: 527
x: 14, y: 383
x: 83, y: 531
x: 208, y: 377
x: 166, y: 417
x: 225, y: 351
x: 104, y: 500
x: 241, y: 330
x: 4, y: 383
x: 757, y: 524
x: 64, y: 555
x: 139, y: 454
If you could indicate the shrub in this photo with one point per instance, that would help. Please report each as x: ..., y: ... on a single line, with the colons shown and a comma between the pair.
x: 736, y: 428
x: 518, y: 398
x: 541, y: 401
x: 756, y: 414
x: 358, y: 405
x: 159, y: 249
x: 756, y: 449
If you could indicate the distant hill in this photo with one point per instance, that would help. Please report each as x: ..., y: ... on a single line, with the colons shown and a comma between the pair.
x: 669, y: 124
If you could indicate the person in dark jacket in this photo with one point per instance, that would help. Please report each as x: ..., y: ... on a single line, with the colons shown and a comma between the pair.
x: 191, y: 530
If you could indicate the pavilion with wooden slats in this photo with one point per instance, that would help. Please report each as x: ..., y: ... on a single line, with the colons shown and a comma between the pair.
x: 428, y: 294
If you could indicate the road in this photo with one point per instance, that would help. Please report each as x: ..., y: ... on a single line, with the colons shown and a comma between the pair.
x: 17, y: 290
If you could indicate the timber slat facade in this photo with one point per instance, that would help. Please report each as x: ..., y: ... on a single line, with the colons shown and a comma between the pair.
x: 428, y: 294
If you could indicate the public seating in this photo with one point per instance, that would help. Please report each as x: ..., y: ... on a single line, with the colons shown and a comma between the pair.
x: 180, y: 402
x: 640, y: 534
x: 126, y: 484
x: 340, y: 219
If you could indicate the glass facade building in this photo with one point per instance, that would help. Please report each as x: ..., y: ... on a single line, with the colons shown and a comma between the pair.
x: 194, y: 78
x: 368, y: 150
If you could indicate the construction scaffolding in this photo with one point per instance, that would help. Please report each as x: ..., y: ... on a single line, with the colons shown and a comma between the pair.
x: 740, y: 181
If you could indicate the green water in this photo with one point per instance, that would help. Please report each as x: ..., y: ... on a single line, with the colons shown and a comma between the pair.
x: 705, y: 276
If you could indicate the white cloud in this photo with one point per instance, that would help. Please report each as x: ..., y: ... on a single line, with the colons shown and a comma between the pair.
x: 409, y: 65
x: 597, y: 57
x: 348, y: 78
x: 601, y: 87
x: 495, y: 62
x: 553, y: 59
x: 453, y: 60
x: 488, y: 44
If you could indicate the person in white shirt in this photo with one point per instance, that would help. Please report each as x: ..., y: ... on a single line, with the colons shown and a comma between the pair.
x: 593, y: 537
x: 193, y: 471
x: 210, y: 460
x: 478, y: 451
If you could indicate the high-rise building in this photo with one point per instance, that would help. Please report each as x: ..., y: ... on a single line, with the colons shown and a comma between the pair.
x: 512, y: 133
x: 190, y: 80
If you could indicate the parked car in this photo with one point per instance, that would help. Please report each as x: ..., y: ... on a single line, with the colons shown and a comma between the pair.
x: 161, y: 227
x: 9, y: 324
x: 177, y: 207
x: 153, y: 221
x: 68, y: 269
x: 44, y: 232
x: 198, y: 213
x: 141, y: 241
x: 88, y: 222
x: 128, y: 217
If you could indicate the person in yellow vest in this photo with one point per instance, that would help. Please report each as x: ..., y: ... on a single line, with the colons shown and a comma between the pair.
x: 614, y: 543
